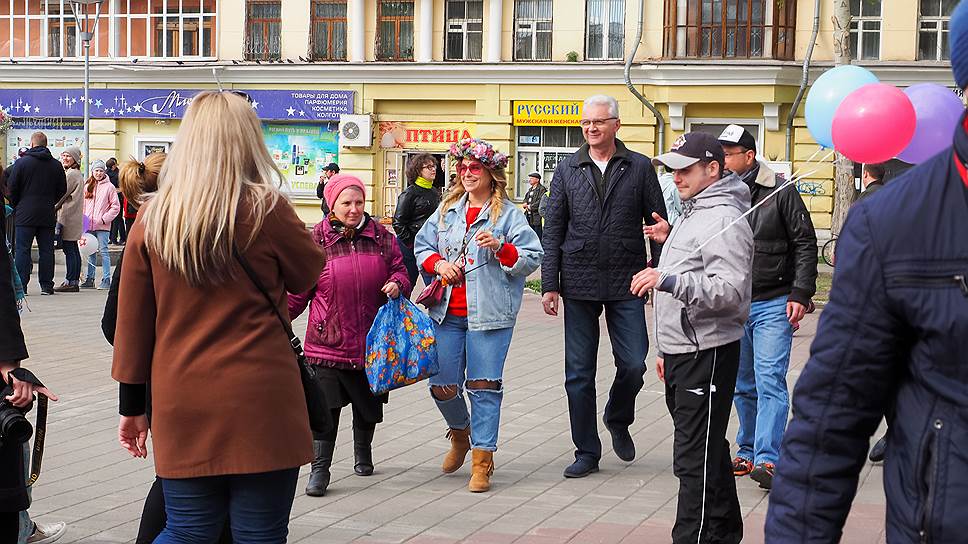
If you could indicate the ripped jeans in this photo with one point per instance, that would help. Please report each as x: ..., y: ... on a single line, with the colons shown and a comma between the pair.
x: 468, y: 358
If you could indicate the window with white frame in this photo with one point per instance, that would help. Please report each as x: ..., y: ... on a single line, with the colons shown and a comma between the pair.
x: 125, y: 28
x: 605, y: 30
x: 532, y: 29
x: 933, y: 29
x: 865, y: 29
x: 465, y: 29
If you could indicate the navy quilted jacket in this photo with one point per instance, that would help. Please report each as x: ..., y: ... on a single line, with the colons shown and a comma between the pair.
x: 893, y: 340
x: 593, y: 243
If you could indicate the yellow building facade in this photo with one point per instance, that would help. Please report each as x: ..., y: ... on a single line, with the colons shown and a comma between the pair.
x: 413, y: 76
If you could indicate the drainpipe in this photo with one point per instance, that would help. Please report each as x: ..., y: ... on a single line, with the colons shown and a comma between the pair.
x: 803, y: 82
x: 633, y: 90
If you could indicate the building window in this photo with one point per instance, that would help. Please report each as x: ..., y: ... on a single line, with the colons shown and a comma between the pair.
x: 263, y: 30
x: 532, y: 29
x: 465, y: 29
x: 394, y: 23
x: 540, y: 149
x: 125, y: 28
x: 605, y: 30
x: 729, y: 28
x: 865, y: 29
x: 328, y: 38
x: 933, y: 35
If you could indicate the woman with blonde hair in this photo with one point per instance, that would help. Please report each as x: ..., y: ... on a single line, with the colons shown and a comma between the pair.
x: 229, y: 420
x: 480, y: 244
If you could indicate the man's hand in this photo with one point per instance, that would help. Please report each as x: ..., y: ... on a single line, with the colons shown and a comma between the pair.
x: 658, y: 232
x: 644, y: 281
x: 660, y: 368
x: 550, y: 302
x: 795, y: 312
x: 133, y: 433
x: 23, y: 392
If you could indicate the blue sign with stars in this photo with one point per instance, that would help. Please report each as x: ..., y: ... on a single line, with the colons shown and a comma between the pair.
x: 292, y: 105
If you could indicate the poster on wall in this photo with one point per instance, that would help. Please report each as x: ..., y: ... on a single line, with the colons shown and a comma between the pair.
x: 301, y: 152
x: 61, y: 134
x: 407, y: 135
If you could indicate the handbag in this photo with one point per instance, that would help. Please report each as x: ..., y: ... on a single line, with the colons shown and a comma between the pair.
x: 432, y: 294
x: 320, y: 420
x: 401, y: 348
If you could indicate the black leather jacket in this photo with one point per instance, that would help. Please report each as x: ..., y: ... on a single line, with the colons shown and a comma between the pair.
x: 414, y: 205
x: 785, y: 254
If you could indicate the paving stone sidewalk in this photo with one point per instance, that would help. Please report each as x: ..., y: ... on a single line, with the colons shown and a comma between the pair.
x: 98, y: 489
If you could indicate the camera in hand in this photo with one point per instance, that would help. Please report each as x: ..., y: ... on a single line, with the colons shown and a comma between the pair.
x: 14, y: 427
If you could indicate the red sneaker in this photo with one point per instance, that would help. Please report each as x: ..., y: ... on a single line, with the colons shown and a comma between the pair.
x: 742, y: 467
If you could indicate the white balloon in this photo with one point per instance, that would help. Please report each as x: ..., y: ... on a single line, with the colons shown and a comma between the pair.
x: 87, y: 245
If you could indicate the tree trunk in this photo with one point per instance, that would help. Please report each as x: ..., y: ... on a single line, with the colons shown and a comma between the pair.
x: 844, y: 191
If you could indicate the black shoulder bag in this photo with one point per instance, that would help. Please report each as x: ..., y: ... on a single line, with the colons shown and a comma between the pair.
x: 320, y: 420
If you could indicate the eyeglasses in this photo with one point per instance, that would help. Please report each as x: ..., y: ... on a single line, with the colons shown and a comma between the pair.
x: 597, y: 123
x: 429, y: 167
x: 474, y: 168
x: 743, y: 152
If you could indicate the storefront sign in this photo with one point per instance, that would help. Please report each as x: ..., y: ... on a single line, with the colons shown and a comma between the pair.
x: 288, y: 105
x: 61, y: 134
x: 546, y: 113
x: 430, y: 136
x: 301, y: 152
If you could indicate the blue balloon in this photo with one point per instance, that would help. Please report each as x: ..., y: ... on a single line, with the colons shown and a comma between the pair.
x: 825, y: 97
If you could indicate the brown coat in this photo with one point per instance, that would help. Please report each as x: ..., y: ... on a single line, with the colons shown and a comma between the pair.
x: 226, y: 394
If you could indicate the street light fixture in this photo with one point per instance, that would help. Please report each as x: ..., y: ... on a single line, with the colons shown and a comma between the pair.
x: 82, y: 16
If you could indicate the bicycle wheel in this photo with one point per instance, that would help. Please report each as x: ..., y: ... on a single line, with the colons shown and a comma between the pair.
x: 827, y: 252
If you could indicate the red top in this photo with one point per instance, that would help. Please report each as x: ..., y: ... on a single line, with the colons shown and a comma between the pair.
x: 508, y: 255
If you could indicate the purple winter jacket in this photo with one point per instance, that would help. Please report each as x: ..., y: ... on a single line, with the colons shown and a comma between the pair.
x: 347, y: 295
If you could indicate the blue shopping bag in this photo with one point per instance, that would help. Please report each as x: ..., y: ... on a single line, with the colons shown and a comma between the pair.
x: 400, y: 347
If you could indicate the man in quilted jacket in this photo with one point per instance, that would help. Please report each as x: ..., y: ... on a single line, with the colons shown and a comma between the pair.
x: 599, y: 200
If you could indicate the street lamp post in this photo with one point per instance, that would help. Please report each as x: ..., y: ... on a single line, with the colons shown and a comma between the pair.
x: 82, y: 12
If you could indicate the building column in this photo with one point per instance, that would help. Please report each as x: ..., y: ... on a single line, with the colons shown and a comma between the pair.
x: 425, y: 32
x: 495, y: 22
x: 357, y: 31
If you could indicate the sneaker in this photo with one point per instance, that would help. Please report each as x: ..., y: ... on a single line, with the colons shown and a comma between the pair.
x: 763, y: 475
x: 67, y: 288
x: 742, y: 467
x: 88, y: 284
x: 46, y: 533
x: 47, y: 291
x: 103, y: 286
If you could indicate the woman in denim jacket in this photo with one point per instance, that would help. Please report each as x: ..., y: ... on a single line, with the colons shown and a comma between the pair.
x: 482, y: 247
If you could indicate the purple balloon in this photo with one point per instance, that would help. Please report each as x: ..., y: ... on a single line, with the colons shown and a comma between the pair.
x: 86, y: 223
x: 938, y: 111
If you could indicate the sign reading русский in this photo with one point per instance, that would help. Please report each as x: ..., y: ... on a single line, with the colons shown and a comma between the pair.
x: 292, y: 105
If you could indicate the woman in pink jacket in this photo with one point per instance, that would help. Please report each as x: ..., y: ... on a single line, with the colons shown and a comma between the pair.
x: 101, y: 206
x: 363, y: 267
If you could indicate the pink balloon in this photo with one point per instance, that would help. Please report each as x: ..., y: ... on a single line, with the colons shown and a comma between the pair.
x: 874, y: 123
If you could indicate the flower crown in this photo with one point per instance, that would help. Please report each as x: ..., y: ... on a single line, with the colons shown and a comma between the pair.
x: 474, y: 148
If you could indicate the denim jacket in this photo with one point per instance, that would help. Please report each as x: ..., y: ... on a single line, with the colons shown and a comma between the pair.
x: 494, y: 291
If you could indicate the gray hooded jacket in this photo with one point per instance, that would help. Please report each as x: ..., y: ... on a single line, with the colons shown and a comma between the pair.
x: 703, y: 298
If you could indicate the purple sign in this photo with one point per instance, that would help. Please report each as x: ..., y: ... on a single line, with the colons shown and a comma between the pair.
x: 303, y: 105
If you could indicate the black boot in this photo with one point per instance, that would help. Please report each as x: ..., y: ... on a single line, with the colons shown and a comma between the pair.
x: 319, y: 477
x: 363, y: 451
x: 877, y: 452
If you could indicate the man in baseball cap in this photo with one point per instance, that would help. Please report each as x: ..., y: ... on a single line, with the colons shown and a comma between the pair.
x: 686, y: 151
x: 329, y: 171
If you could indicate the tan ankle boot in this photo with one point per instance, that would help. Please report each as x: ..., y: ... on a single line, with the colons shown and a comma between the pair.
x: 460, y: 444
x: 483, y: 468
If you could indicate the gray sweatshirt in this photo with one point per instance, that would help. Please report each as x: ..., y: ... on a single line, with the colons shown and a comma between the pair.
x: 703, y: 301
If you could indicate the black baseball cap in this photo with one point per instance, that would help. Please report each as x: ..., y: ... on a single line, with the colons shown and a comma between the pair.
x: 333, y: 167
x: 737, y: 135
x: 689, y: 149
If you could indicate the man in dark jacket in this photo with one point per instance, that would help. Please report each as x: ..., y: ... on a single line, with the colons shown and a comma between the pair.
x: 119, y: 235
x: 873, y: 180
x: 784, y: 280
x: 532, y: 201
x: 329, y: 171
x: 891, y: 341
x: 36, y: 184
x: 593, y: 243
x: 414, y: 205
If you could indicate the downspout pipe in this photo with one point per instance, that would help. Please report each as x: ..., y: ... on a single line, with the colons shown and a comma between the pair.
x: 628, y: 79
x: 803, y: 81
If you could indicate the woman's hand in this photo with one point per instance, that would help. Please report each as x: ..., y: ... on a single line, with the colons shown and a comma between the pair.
x: 133, y: 433
x: 391, y: 289
x: 487, y: 240
x: 451, y: 273
x: 23, y: 392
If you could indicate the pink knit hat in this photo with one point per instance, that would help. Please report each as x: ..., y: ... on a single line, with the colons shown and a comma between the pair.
x: 337, y: 183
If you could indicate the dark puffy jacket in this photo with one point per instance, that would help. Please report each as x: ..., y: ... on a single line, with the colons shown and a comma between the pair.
x: 593, y: 243
x: 414, y: 205
x: 347, y: 295
x: 785, y: 254
x: 36, y: 183
x: 892, y: 340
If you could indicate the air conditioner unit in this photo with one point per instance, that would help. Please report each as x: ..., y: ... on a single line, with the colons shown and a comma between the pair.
x: 355, y: 131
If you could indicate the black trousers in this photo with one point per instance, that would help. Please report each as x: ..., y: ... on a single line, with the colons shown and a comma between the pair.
x: 118, y: 232
x: 699, y: 395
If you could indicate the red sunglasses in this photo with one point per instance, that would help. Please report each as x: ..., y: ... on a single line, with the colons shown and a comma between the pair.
x: 474, y: 168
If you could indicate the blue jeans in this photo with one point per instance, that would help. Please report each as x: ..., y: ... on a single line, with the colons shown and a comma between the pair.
x: 629, y: 337
x: 762, y: 401
x: 257, y: 505
x: 45, y: 247
x: 472, y: 355
x: 72, y: 257
x: 102, y: 248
